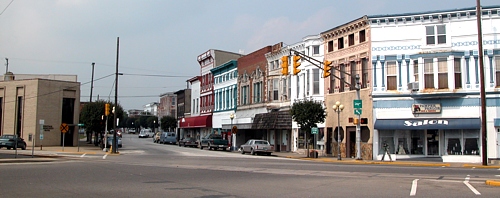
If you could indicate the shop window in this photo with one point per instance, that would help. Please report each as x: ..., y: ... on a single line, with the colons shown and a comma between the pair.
x: 471, y: 142
x: 460, y: 142
x: 386, y: 139
x: 417, y: 142
x: 301, y: 140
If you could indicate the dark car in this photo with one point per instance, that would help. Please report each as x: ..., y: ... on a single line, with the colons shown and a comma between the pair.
x: 191, y: 142
x: 9, y: 141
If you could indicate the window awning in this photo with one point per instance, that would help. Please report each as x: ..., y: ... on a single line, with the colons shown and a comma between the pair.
x: 196, y: 122
x: 428, y: 123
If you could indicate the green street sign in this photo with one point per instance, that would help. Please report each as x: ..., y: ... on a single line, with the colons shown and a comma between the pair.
x: 357, y: 111
x: 80, y: 124
x: 314, y: 130
x: 358, y: 104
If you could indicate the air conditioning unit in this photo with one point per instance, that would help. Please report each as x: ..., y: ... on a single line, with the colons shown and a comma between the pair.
x: 413, y: 86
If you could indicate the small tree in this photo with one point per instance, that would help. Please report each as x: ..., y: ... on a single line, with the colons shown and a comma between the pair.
x: 91, y: 116
x: 307, y: 113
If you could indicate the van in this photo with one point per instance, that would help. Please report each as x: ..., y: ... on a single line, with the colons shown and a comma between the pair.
x: 168, y: 138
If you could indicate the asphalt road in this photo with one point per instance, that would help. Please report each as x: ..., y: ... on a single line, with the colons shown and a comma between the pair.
x: 146, y: 169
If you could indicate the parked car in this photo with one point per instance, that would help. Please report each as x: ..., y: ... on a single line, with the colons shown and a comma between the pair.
x: 109, y: 140
x: 168, y: 138
x: 9, y: 141
x: 157, y: 137
x: 132, y: 131
x: 144, y: 133
x: 256, y: 147
x: 214, y: 141
x: 191, y: 142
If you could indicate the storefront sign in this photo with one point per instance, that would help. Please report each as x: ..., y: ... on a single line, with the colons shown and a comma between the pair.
x: 426, y: 108
x: 425, y: 122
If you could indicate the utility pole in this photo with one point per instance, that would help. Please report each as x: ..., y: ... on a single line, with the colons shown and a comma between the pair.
x: 6, y: 65
x: 92, y: 82
x: 115, y: 143
x: 358, y: 125
x: 484, y: 144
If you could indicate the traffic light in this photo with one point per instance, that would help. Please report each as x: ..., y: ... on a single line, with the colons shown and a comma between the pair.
x: 106, y: 109
x: 284, y: 65
x: 355, y: 121
x: 296, y: 64
x: 326, y: 68
x: 364, y: 120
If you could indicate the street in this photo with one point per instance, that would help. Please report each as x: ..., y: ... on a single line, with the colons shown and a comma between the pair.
x: 147, y: 169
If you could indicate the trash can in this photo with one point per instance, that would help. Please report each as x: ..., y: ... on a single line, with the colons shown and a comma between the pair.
x: 313, y: 154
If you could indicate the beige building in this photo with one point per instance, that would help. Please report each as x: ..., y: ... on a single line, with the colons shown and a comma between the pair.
x: 348, y: 48
x: 27, y: 102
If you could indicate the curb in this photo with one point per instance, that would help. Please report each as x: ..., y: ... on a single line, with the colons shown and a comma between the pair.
x: 480, y: 166
x: 373, y: 162
x: 493, y: 182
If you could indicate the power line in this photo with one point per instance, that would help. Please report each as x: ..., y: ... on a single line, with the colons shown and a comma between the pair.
x: 156, y: 75
x: 6, y: 7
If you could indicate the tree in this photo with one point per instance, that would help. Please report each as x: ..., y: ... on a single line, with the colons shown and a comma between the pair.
x: 152, y: 121
x: 168, y: 123
x: 91, y: 116
x: 307, y: 113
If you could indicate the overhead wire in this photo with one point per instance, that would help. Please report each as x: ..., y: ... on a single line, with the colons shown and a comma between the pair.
x: 6, y: 7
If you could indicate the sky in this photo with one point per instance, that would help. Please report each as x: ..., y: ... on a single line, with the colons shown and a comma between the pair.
x: 159, y: 40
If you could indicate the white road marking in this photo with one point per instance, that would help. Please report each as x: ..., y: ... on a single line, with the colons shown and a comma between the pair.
x: 413, y: 191
x: 466, y: 182
x: 83, y: 155
x: 104, y: 157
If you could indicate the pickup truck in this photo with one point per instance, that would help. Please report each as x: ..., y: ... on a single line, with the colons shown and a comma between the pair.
x: 214, y: 141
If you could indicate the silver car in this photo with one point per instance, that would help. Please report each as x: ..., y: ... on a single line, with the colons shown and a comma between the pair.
x: 256, y: 147
x: 110, y: 141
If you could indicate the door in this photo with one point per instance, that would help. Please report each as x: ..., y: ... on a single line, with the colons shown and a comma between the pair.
x: 498, y: 143
x: 432, y: 142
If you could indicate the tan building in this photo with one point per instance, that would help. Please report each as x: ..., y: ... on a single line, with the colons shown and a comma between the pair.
x: 348, y: 48
x: 25, y: 103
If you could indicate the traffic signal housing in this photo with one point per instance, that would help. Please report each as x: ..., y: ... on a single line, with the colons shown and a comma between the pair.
x: 296, y: 63
x: 363, y: 121
x: 326, y: 68
x: 106, y: 109
x: 284, y: 65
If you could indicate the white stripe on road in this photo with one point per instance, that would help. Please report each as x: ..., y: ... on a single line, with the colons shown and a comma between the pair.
x: 104, y: 157
x: 83, y: 155
x: 413, y: 191
x: 466, y: 182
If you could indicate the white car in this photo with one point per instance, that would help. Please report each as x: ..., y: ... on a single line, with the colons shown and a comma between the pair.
x: 144, y: 133
x: 256, y: 147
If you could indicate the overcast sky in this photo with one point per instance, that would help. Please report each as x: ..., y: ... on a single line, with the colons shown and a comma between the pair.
x: 164, y: 37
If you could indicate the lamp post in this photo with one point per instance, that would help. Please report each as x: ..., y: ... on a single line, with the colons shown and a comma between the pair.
x: 337, y: 107
x: 233, y: 145
x: 154, y: 127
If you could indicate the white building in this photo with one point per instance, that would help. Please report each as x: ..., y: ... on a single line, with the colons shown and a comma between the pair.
x: 308, y: 84
x: 426, y: 84
x: 151, y: 108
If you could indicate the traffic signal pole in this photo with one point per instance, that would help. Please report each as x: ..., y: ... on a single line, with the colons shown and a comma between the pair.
x: 358, y: 125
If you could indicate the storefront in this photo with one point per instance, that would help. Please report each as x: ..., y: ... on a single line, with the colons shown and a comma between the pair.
x: 452, y: 139
x: 276, y: 126
x: 197, y: 126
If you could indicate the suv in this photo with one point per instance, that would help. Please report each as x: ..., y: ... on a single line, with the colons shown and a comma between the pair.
x: 168, y: 138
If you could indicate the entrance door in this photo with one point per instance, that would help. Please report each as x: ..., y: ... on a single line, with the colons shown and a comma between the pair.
x: 433, y: 142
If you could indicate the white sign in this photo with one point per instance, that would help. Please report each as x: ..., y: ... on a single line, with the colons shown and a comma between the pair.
x: 426, y: 108
x: 425, y: 122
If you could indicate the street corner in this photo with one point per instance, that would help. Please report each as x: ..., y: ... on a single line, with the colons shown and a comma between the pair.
x: 493, y: 182
x: 111, y: 153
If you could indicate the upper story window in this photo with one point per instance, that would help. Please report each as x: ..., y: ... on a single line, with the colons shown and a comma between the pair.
x: 391, y: 75
x: 429, y: 73
x: 315, y: 81
x: 271, y: 64
x: 315, y: 49
x: 362, y: 36
x: 340, y: 42
x: 458, y: 73
x: 442, y: 73
x: 415, y: 69
x: 497, y: 70
x: 330, y: 46
x: 275, y: 89
x: 364, y: 71
x: 351, y: 39
x: 435, y: 34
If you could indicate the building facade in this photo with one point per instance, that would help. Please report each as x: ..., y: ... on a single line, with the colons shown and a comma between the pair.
x: 151, y: 108
x: 167, y: 105
x: 191, y: 124
x: 309, y: 84
x: 348, y: 48
x: 426, y: 84
x: 38, y: 107
x: 225, y: 81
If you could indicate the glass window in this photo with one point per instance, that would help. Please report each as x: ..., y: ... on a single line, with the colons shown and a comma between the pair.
x: 315, y: 81
x: 429, y: 73
x: 471, y: 142
x: 442, y: 73
x: 453, y: 142
x: 391, y: 75
x: 275, y: 89
x: 458, y: 73
x: 417, y: 142
x: 433, y: 38
x: 415, y: 69
x: 497, y: 70
x: 386, y: 141
x: 315, y: 49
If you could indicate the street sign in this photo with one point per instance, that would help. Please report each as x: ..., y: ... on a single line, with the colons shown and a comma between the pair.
x: 234, y: 129
x: 80, y: 124
x: 358, y: 104
x: 64, y: 128
x: 314, y: 130
x: 41, y: 136
x: 357, y: 111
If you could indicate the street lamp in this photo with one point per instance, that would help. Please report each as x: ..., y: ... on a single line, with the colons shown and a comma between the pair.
x: 154, y: 127
x: 232, y: 133
x: 337, y: 107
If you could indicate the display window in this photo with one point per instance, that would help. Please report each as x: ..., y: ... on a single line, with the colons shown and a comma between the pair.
x: 461, y: 142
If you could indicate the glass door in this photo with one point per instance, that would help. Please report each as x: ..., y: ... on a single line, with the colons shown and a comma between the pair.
x: 433, y: 142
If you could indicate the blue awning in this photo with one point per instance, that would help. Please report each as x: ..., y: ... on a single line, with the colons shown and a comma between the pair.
x: 428, y: 123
